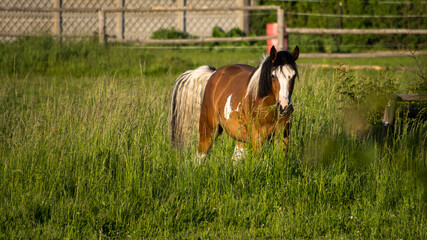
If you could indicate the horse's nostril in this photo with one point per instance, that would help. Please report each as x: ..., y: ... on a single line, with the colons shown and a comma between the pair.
x: 284, y: 110
x: 281, y: 108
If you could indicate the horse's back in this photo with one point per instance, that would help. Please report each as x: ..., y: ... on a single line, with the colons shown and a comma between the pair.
x: 233, y: 73
x: 230, y: 79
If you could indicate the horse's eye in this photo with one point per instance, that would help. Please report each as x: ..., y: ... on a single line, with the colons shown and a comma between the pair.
x: 272, y: 76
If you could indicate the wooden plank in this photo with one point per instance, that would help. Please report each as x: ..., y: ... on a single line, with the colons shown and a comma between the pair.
x: 193, y: 41
x: 149, y: 9
x: 120, y: 19
x: 42, y: 35
x: 78, y: 10
x: 101, y: 26
x: 181, y: 20
x: 353, y: 67
x: 57, y: 24
x: 190, y: 8
x: 361, y: 55
x: 197, y: 40
x: 412, y: 97
x: 390, y: 108
x: 354, y: 31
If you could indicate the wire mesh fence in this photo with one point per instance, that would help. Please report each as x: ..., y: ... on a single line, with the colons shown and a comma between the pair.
x: 127, y: 25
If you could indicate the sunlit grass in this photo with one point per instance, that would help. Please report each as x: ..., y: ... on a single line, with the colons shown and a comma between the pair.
x: 89, y: 157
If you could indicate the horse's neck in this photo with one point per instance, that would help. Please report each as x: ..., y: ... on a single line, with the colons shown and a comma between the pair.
x: 259, y: 105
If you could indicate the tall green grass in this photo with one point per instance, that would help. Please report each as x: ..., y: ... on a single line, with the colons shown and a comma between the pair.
x: 86, y: 155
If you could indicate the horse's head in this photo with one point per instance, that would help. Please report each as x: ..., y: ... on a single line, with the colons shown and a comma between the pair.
x: 275, y: 76
x: 283, y: 71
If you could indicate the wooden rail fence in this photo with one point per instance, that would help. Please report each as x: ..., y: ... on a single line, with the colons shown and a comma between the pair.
x: 103, y: 36
x: 390, y: 109
x: 355, y: 31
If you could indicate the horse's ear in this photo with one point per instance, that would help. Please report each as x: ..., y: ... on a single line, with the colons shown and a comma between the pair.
x: 273, y: 53
x: 295, y: 53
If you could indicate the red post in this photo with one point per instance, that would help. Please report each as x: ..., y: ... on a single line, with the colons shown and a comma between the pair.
x: 273, y: 30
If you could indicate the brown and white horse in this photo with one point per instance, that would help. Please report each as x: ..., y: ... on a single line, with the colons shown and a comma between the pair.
x: 250, y: 104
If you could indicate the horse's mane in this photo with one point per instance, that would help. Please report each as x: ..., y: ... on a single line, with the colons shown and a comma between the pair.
x: 260, y: 81
x: 254, y: 79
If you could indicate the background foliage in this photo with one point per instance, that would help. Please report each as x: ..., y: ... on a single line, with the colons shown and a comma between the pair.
x: 302, y: 14
x: 349, y: 43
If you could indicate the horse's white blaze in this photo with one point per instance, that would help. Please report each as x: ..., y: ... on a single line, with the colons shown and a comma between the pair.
x: 227, y: 108
x: 284, y: 75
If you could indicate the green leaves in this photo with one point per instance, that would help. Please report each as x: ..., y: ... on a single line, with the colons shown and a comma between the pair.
x: 171, y: 33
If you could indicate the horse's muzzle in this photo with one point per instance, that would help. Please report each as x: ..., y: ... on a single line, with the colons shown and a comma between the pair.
x: 285, y: 110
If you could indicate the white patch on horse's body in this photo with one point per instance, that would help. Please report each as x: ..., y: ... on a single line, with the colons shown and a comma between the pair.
x: 238, y: 154
x: 284, y: 75
x: 227, y: 109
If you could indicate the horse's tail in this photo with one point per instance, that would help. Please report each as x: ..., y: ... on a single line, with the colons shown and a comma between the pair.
x: 185, y: 104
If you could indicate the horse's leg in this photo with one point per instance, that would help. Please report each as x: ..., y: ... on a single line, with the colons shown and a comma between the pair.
x: 257, y: 140
x: 239, y: 152
x: 286, y: 133
x: 208, y: 131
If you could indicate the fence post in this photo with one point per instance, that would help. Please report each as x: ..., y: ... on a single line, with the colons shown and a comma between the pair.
x: 389, y: 111
x: 181, y: 16
x: 339, y: 37
x: 244, y: 16
x: 101, y: 26
x: 281, y: 26
x: 57, y: 25
x: 120, y: 20
x: 285, y: 39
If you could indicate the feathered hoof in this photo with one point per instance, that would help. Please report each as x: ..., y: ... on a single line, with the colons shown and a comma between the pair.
x: 199, y: 158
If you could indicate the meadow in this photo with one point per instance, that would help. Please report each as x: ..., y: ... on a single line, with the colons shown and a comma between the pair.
x: 84, y: 151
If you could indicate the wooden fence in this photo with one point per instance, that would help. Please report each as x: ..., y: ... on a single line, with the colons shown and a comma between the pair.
x: 103, y: 36
x: 390, y: 108
x: 355, y: 31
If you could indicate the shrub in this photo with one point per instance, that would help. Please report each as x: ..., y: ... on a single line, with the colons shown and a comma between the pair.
x: 234, y: 32
x: 171, y: 33
x: 364, y: 98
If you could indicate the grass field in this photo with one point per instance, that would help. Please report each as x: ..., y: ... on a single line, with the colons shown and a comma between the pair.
x: 84, y: 152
